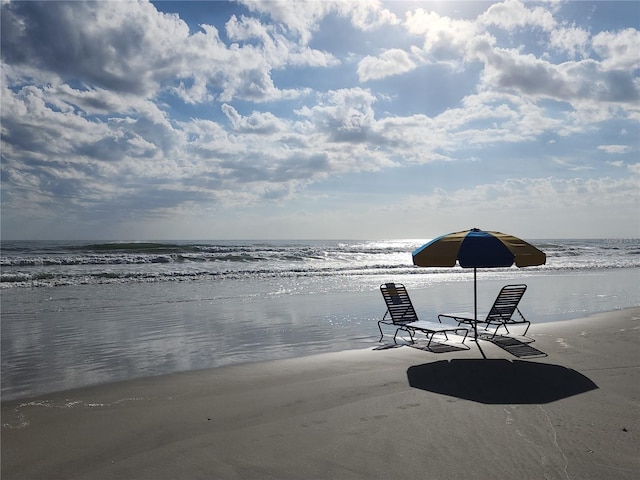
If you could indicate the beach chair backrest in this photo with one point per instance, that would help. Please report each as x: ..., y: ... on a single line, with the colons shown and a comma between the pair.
x: 399, y: 305
x: 506, y: 302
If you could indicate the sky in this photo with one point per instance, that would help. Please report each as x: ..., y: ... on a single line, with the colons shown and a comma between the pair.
x: 137, y: 120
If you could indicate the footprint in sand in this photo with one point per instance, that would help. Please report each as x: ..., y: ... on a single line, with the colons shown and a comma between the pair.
x: 376, y: 417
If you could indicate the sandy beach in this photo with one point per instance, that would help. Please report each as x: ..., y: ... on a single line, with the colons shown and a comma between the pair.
x: 565, y: 407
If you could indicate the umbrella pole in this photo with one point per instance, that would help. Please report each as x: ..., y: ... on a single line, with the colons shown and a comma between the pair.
x: 475, y: 312
x: 475, y: 296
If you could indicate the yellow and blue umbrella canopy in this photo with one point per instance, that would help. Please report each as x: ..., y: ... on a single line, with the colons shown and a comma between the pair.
x: 476, y: 248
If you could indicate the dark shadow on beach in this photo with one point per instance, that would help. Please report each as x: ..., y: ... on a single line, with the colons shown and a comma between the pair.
x: 516, y: 347
x: 499, y: 381
x: 437, y: 347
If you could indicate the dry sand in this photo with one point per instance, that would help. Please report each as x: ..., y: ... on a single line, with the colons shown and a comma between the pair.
x: 395, y: 413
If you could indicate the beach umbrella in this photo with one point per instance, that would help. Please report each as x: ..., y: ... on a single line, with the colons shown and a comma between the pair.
x: 475, y: 249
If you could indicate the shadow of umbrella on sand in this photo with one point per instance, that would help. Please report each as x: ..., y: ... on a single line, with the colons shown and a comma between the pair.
x: 499, y: 381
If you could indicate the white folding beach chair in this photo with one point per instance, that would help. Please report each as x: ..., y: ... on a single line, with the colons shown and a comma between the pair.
x: 401, y: 315
x: 501, y: 314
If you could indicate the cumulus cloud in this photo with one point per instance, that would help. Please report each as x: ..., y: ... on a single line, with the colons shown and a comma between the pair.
x: 573, y: 40
x: 614, y: 148
x: 512, y: 14
x: 257, y: 122
x: 572, y: 82
x: 591, y: 204
x: 303, y: 18
x: 391, y: 62
x: 444, y: 38
x: 608, y: 78
x: 132, y: 48
x: 121, y: 46
x: 343, y: 114
x: 118, y: 109
x: 619, y: 50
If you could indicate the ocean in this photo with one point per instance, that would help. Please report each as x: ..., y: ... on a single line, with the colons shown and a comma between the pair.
x: 81, y: 313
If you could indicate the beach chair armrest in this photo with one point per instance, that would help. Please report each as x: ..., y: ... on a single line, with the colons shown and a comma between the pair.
x: 434, y: 327
x: 430, y: 326
x: 456, y: 317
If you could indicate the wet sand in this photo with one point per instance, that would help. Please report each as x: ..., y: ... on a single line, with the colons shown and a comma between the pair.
x: 566, y: 406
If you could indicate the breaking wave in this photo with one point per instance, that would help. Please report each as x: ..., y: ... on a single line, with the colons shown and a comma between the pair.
x: 35, y: 264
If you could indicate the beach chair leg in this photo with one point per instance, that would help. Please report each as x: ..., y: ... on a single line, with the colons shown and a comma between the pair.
x: 466, y: 332
x: 406, y: 330
x: 505, y: 327
x: 495, y: 332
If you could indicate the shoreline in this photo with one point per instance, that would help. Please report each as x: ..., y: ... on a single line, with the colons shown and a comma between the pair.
x: 595, y: 317
x: 365, y: 413
x: 56, y: 340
